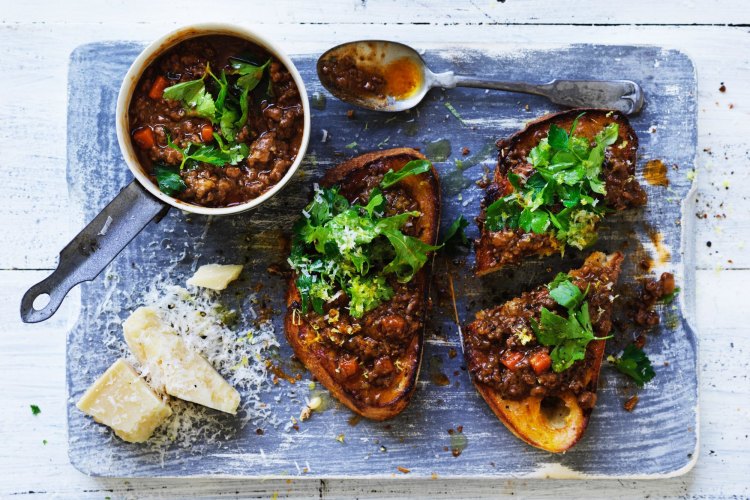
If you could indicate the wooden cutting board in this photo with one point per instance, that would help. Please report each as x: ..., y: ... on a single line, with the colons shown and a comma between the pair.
x: 658, y: 439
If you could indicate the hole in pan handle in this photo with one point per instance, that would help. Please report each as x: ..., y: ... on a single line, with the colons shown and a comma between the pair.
x: 93, y: 249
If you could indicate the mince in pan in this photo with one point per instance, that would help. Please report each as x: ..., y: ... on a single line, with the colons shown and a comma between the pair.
x: 216, y: 121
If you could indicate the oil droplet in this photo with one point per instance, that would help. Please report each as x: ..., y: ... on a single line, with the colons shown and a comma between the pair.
x: 662, y: 252
x: 438, y: 150
x: 454, y: 182
x: 436, y: 372
x: 411, y: 128
x: 655, y: 173
x: 402, y: 78
x: 459, y: 442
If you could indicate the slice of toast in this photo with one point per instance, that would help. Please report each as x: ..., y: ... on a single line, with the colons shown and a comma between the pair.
x: 546, y: 409
x: 369, y: 385
x: 496, y: 249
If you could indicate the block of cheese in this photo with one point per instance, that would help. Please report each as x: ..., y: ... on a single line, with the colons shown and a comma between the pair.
x: 122, y: 400
x: 175, y: 368
x: 215, y: 276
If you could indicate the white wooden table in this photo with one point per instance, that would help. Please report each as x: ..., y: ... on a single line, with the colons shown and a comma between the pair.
x: 36, y: 38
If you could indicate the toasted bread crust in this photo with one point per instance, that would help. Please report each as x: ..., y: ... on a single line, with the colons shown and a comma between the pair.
x: 497, y: 249
x: 393, y: 399
x: 555, y: 429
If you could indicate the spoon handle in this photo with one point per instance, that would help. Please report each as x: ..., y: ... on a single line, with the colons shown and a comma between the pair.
x: 621, y: 95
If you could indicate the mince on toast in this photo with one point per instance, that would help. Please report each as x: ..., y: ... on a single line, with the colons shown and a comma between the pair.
x: 357, y: 296
x: 554, y: 181
x: 535, y: 359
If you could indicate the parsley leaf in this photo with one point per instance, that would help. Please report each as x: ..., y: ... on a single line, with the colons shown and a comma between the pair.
x: 568, y: 336
x: 219, y: 156
x: 251, y: 76
x: 414, y: 167
x: 455, y: 235
x: 168, y: 179
x: 669, y: 298
x: 565, y: 292
x: 193, y: 96
x: 635, y: 364
x: 35, y: 410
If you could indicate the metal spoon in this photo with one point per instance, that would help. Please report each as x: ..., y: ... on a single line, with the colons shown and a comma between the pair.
x: 393, y: 60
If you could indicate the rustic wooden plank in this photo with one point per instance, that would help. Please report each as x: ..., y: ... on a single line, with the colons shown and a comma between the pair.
x: 342, y: 12
x: 418, y: 438
x: 718, y: 56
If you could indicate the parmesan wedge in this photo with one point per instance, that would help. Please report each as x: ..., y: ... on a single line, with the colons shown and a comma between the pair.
x: 215, y: 276
x: 122, y: 400
x: 174, y: 367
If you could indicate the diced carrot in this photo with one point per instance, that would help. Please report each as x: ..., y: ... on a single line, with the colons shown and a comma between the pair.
x: 157, y: 89
x: 144, y: 138
x: 207, y: 133
x: 540, y: 362
x: 348, y: 366
x: 511, y: 359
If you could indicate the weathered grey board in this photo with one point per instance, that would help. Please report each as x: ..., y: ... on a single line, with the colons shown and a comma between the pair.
x: 657, y: 439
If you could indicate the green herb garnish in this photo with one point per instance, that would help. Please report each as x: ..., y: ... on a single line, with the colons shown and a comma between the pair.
x: 342, y: 247
x: 635, y: 364
x: 669, y: 298
x: 560, y: 197
x: 168, y: 179
x: 35, y: 410
x: 229, y: 108
x: 569, y: 336
x: 193, y: 96
x: 224, y: 154
x: 455, y: 235
x: 414, y: 167
x: 454, y: 112
x: 249, y: 79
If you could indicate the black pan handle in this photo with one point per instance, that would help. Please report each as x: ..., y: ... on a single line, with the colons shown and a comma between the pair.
x: 94, y: 248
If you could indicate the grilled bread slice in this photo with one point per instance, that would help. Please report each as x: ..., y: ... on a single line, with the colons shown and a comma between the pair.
x: 496, y: 249
x: 514, y: 374
x: 373, y: 370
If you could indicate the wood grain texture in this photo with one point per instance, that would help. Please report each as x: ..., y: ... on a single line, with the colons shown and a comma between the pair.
x: 39, y: 221
x: 418, y: 438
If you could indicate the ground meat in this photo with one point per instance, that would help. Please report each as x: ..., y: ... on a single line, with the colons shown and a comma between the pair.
x: 505, y: 332
x: 273, y: 131
x: 641, y: 310
x: 344, y: 74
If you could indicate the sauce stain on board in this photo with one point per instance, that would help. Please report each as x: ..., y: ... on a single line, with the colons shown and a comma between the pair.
x: 655, y: 173
x: 657, y: 239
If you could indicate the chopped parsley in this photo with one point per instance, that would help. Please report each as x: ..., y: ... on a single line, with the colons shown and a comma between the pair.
x: 35, y: 410
x: 635, y: 364
x: 568, y: 336
x: 455, y: 236
x: 341, y: 247
x: 669, y: 298
x: 169, y: 180
x: 562, y: 195
x: 227, y: 106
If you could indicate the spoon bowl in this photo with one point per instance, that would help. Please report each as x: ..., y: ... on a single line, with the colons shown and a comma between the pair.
x: 404, y: 74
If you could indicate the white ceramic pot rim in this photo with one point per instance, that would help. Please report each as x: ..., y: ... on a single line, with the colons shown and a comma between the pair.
x: 154, y: 50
